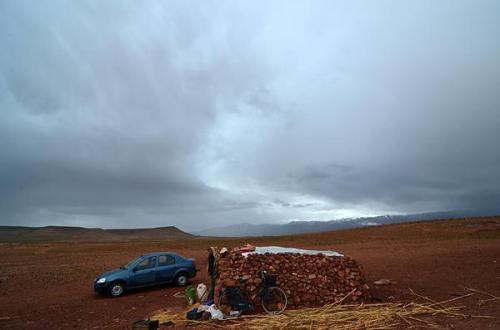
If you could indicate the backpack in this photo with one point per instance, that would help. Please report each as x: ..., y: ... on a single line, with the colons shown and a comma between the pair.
x: 237, y: 300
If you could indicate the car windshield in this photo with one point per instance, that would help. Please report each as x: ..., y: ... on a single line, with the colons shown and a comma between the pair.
x: 131, y: 263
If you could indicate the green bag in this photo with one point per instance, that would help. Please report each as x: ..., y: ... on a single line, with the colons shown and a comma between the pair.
x: 190, y: 295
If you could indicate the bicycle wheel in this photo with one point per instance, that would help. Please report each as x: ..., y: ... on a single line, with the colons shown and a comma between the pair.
x: 273, y: 300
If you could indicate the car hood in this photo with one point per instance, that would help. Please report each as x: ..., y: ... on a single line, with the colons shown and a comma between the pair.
x: 113, y: 272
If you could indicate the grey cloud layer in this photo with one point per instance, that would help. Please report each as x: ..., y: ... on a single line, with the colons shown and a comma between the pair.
x: 199, y: 114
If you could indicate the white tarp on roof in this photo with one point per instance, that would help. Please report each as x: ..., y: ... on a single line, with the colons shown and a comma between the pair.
x: 279, y: 249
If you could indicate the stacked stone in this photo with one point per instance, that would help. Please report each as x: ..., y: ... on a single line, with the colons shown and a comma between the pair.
x: 308, y: 280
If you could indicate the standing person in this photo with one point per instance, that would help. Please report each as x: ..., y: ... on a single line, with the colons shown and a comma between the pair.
x: 212, y: 272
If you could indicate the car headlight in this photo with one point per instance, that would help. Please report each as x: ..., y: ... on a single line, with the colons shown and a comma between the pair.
x: 101, y: 280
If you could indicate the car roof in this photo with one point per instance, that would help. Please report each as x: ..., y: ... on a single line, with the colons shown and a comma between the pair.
x: 158, y: 253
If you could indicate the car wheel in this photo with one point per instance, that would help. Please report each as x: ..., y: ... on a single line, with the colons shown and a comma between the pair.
x: 116, y: 289
x: 181, y: 280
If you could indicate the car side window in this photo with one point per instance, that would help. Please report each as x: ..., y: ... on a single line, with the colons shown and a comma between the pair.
x: 166, y: 260
x: 147, y: 263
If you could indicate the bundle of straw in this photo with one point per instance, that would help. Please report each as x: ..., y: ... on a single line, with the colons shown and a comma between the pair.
x: 358, y: 316
x: 348, y: 317
x: 342, y: 317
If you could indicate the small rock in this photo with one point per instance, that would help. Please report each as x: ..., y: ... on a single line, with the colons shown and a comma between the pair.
x: 383, y: 281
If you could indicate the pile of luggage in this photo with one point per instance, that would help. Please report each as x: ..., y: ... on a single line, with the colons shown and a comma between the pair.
x: 204, y: 308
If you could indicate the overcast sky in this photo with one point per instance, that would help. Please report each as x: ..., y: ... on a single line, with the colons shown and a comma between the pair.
x: 206, y: 113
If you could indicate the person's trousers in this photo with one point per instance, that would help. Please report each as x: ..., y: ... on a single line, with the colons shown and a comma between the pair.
x: 212, y: 288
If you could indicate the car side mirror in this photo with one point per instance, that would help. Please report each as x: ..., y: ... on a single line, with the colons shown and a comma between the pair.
x: 134, y: 269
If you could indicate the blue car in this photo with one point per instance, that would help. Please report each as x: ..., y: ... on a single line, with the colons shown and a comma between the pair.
x: 147, y: 270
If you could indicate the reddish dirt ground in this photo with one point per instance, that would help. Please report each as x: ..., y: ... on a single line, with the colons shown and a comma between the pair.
x: 49, y: 285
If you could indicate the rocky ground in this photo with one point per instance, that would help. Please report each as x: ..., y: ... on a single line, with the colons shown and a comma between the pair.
x: 49, y: 285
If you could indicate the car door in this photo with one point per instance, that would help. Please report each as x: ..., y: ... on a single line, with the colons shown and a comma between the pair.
x: 166, y: 268
x: 144, y: 273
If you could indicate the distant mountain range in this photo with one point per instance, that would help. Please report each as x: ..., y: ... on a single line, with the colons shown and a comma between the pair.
x: 303, y: 227
x: 79, y: 234
x: 61, y: 233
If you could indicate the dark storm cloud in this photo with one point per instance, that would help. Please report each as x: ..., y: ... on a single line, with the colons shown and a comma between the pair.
x: 104, y: 108
x: 198, y: 114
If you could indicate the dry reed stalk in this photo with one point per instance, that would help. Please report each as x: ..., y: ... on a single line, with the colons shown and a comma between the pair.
x: 484, y: 301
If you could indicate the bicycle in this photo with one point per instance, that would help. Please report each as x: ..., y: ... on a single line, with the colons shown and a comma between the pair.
x: 273, y: 298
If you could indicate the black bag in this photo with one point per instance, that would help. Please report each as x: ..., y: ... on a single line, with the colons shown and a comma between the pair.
x: 270, y: 279
x: 146, y: 325
x: 237, y: 300
x: 194, y: 314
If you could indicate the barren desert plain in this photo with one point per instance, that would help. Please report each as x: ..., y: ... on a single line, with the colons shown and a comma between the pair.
x: 48, y: 285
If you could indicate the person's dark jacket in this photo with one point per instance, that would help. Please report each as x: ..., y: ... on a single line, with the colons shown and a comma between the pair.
x: 211, y: 264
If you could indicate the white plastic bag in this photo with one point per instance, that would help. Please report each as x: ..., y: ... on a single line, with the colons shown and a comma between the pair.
x: 216, y: 314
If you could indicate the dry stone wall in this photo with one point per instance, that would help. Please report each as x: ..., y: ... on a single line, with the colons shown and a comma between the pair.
x: 308, y: 280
